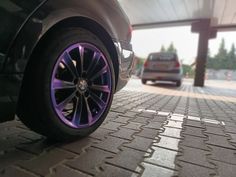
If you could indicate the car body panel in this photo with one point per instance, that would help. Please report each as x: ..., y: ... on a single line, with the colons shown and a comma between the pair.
x: 107, y: 14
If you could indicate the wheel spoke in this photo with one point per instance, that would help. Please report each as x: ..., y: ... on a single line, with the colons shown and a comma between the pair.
x: 90, y: 117
x: 94, y: 62
x: 70, y: 65
x: 60, y: 84
x: 78, y: 111
x: 99, y: 73
x: 81, y: 51
x: 97, y: 100
x: 102, y: 88
x: 63, y: 104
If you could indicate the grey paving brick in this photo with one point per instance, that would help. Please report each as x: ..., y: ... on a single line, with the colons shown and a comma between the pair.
x: 130, y: 114
x: 89, y: 161
x: 223, y: 154
x: 193, y: 131
x: 215, y: 130
x: 111, y: 144
x: 77, y: 146
x: 220, y: 141
x: 45, y: 161
x: 154, y: 125
x: 191, y: 170
x: 12, y: 157
x: 112, y: 171
x: 122, y: 119
x: 195, y: 156
x: 14, y: 172
x: 112, y: 125
x: 127, y: 159
x: 148, y: 133
x: 139, y: 143
x: 101, y: 133
x: 147, y: 114
x: 125, y: 133
x: 195, y: 142
x: 133, y: 126
x: 193, y: 123
x: 225, y: 170
x: 232, y: 137
x: 141, y: 120
x: 158, y: 119
x: 64, y: 171
x: 229, y: 129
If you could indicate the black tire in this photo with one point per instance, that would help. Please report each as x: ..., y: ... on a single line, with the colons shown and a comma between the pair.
x: 178, y: 83
x: 35, y: 108
x: 144, y: 81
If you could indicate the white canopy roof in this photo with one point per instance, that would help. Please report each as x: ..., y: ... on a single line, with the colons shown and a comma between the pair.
x: 144, y: 13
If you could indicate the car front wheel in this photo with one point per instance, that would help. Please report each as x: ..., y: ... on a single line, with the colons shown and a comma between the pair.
x: 68, y: 88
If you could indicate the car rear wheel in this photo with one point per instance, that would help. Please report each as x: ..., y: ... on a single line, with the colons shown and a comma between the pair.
x: 144, y: 81
x: 69, y: 86
x: 178, y: 83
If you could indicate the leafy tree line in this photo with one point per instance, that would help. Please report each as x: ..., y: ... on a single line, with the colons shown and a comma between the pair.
x: 171, y: 48
x: 223, y: 59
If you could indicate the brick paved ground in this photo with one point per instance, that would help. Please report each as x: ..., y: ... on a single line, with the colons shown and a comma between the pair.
x: 186, y: 132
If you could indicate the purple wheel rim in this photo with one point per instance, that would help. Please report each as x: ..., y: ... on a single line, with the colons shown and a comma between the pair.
x: 81, y: 85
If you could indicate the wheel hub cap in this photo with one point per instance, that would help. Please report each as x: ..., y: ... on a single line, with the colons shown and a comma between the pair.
x: 82, y: 85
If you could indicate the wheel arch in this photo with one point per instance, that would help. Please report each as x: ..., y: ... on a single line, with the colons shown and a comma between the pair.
x: 88, y: 24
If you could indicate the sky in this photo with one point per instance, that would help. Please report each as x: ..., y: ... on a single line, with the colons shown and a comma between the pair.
x: 186, y: 42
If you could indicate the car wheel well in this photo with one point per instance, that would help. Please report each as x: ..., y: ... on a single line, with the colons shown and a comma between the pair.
x: 90, y: 25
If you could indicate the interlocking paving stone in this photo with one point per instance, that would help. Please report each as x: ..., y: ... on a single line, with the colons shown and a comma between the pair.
x: 215, y: 130
x: 191, y: 170
x: 46, y: 160
x: 112, y: 125
x: 156, y: 171
x: 111, y: 144
x: 148, y: 133
x: 193, y: 131
x: 125, y: 133
x: 127, y: 158
x: 154, y: 125
x: 77, y: 146
x: 133, y: 125
x: 193, y: 123
x: 89, y: 161
x: 63, y: 171
x: 140, y: 143
x: 162, y: 157
x: 14, y: 172
x: 112, y: 171
x: 199, y: 157
x: 195, y: 142
x: 101, y: 133
x: 142, y: 120
x: 221, y: 141
x: 11, y: 157
x: 122, y: 119
x: 193, y: 134
x: 225, y: 170
x: 223, y: 154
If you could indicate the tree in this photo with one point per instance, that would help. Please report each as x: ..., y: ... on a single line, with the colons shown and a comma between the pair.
x: 171, y: 48
x: 163, y: 49
x: 232, y: 58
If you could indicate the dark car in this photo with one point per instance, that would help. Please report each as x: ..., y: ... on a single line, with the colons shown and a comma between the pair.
x: 61, y: 62
x: 162, y: 66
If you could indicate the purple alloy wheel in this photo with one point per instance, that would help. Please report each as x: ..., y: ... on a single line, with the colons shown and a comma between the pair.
x: 81, y: 85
